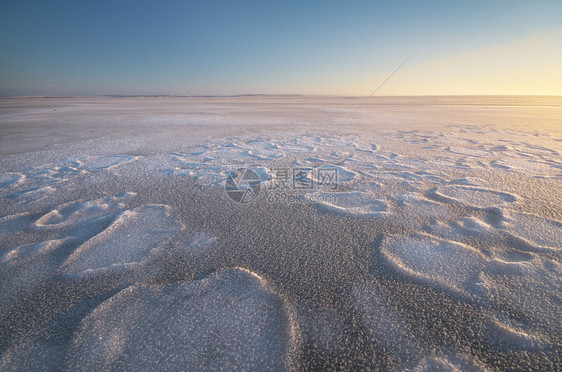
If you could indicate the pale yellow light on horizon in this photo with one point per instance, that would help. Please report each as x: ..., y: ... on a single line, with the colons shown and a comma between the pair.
x: 529, y: 66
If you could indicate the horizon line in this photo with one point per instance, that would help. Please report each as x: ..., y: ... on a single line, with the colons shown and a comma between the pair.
x: 272, y: 95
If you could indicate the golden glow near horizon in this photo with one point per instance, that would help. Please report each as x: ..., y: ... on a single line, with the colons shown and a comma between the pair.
x: 528, y: 66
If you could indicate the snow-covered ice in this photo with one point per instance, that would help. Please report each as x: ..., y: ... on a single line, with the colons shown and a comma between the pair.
x: 425, y: 236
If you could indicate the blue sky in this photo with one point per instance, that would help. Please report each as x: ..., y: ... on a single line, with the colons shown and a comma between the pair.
x: 309, y: 47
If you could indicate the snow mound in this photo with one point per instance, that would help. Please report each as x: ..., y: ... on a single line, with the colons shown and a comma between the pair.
x: 228, y: 320
x: 539, y: 231
x: 353, y: 203
x: 474, y: 196
x: 444, y: 263
x: 129, y: 239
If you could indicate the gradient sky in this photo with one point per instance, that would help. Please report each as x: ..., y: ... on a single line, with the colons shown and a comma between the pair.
x: 308, y: 47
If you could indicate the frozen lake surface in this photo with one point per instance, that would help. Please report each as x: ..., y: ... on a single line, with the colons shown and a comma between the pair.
x: 421, y: 234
